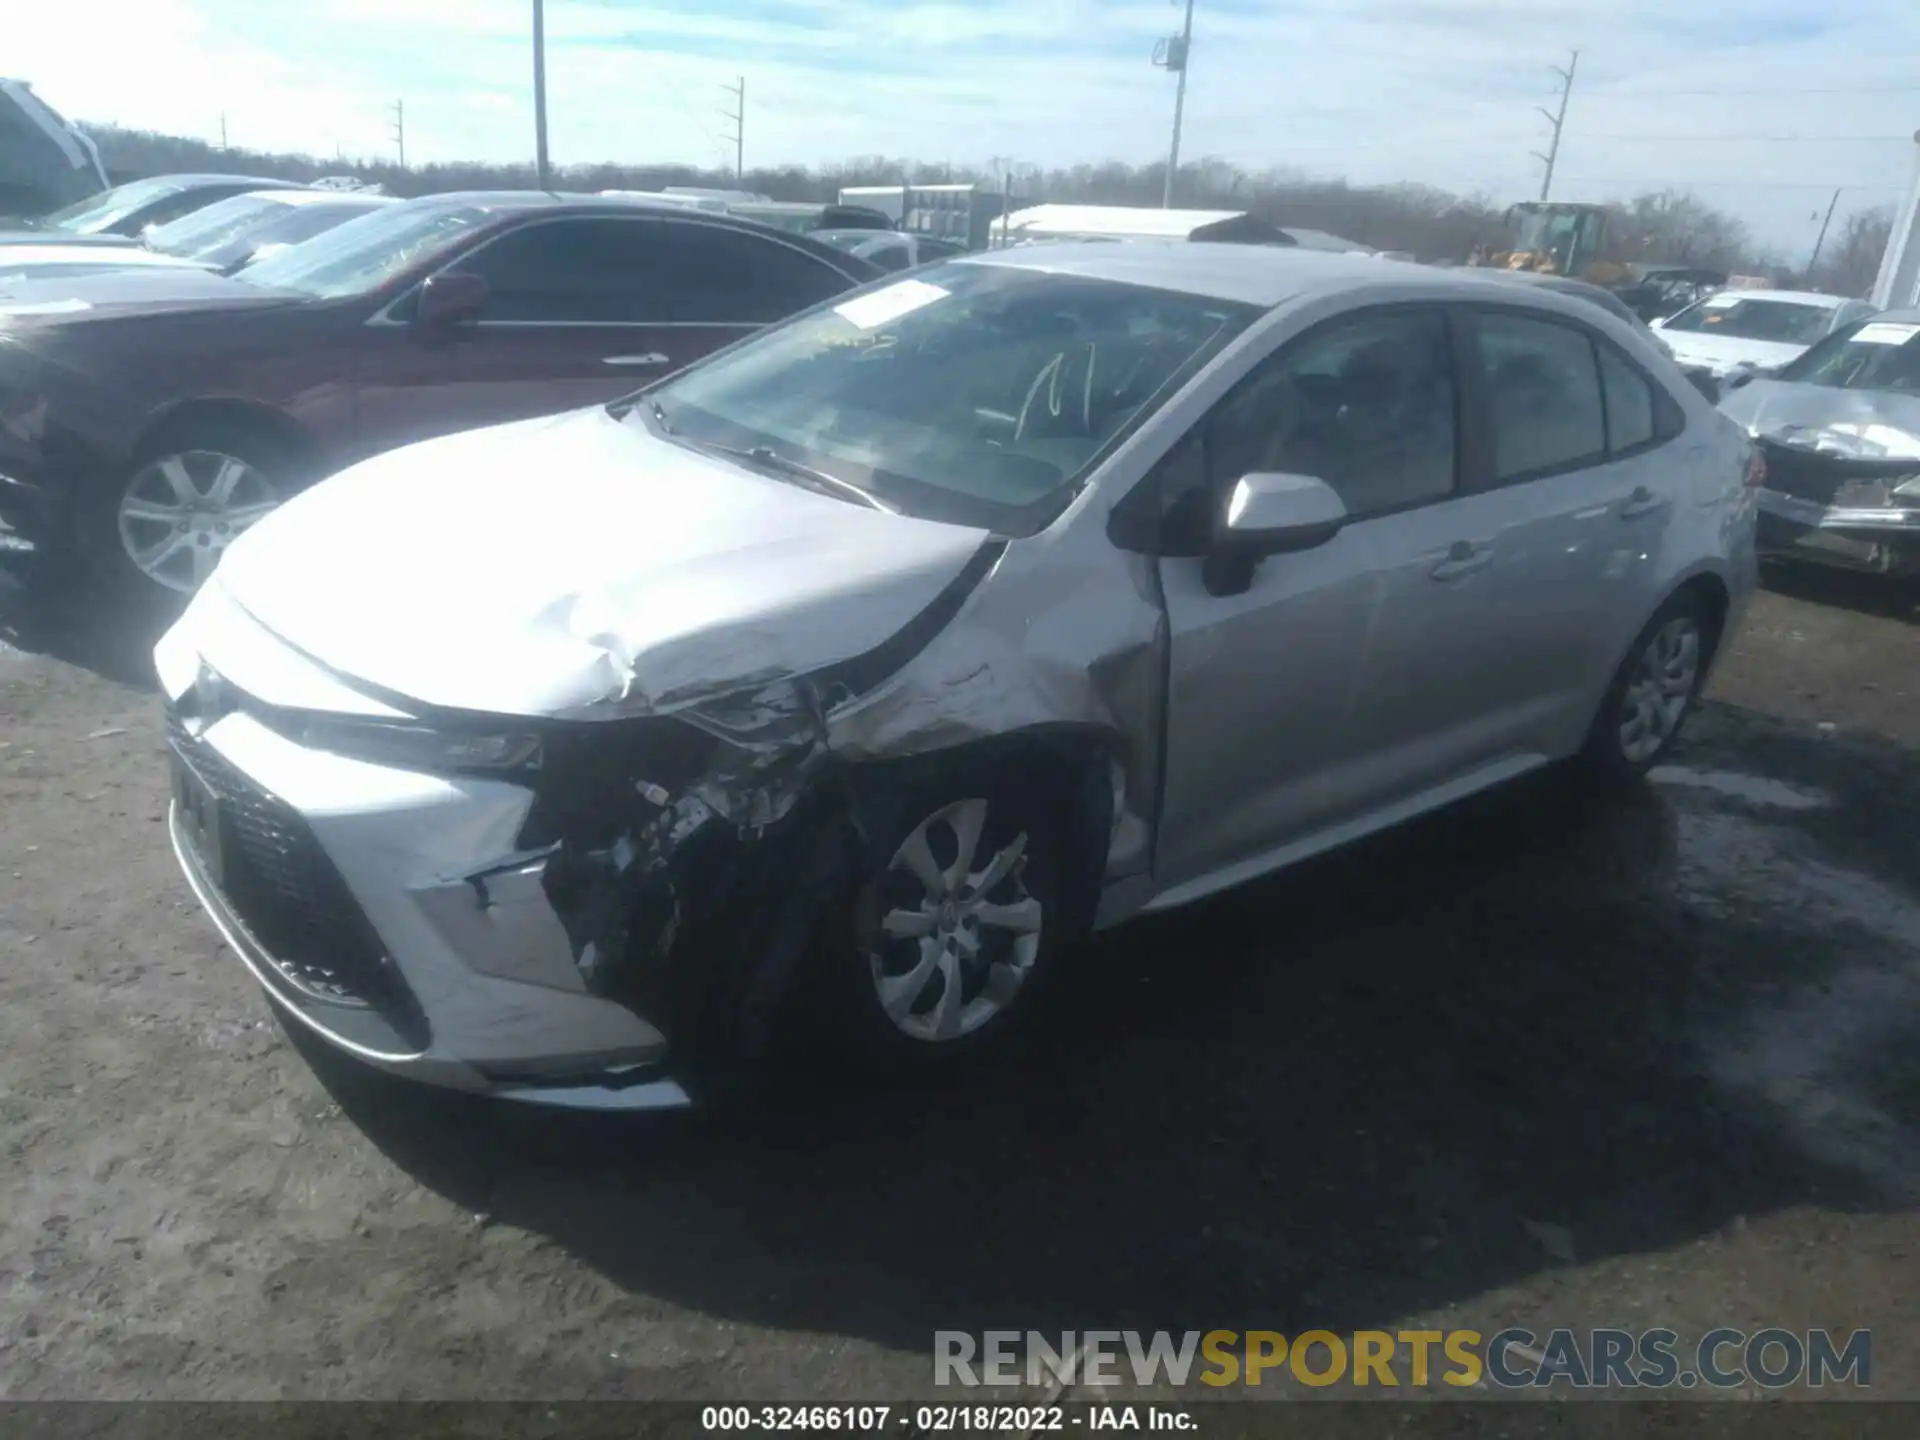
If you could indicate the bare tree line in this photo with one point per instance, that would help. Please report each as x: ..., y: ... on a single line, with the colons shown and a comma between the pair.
x: 1657, y: 227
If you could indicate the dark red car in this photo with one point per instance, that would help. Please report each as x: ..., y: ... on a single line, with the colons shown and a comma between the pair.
x: 147, y: 417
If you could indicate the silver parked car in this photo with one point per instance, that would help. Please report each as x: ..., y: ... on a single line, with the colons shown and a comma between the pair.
x: 856, y: 670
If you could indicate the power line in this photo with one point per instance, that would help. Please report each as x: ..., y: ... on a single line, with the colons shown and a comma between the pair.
x: 1773, y: 139
x: 1644, y: 180
x: 738, y: 115
x: 1650, y: 94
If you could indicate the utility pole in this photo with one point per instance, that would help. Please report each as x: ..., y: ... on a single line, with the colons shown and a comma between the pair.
x: 400, y: 130
x: 1557, y: 119
x: 738, y: 115
x: 1171, y: 54
x: 223, y: 129
x: 540, y: 95
x: 1002, y: 165
x: 1821, y: 239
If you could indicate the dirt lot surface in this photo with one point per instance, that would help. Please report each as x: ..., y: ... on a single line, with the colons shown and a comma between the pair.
x: 1551, y: 1059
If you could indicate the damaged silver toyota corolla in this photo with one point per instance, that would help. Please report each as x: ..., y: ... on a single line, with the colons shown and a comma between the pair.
x: 854, y: 672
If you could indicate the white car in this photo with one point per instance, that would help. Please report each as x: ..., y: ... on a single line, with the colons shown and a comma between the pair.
x: 1754, y: 330
x: 224, y: 237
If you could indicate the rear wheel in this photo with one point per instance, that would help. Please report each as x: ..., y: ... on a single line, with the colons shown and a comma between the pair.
x: 1654, y: 689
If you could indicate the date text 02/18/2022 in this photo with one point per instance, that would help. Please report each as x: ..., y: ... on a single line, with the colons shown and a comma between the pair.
x: 938, y: 1419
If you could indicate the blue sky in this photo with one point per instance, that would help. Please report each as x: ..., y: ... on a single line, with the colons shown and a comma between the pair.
x: 1762, y: 106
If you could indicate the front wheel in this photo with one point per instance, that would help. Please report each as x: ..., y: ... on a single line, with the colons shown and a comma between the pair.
x: 953, y: 931
x: 1653, y: 691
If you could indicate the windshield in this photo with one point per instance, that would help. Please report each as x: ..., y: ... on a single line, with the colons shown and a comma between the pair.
x: 971, y: 393
x: 101, y: 212
x: 1876, y: 355
x: 191, y: 233
x: 364, y: 254
x: 1566, y: 235
x: 283, y: 225
x: 1785, y: 322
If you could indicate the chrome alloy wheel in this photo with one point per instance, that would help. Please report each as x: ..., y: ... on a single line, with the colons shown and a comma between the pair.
x: 1659, y: 689
x: 180, y: 513
x: 955, y: 942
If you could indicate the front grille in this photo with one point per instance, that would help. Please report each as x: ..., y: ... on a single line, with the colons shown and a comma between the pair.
x: 294, y: 904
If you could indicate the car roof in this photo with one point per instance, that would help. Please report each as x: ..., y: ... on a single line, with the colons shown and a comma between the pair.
x: 1793, y: 297
x: 195, y: 181
x: 1263, y: 275
x: 318, y: 197
x: 516, y: 200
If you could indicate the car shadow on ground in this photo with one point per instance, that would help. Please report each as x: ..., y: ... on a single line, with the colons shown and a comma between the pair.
x: 1359, y: 1090
x: 47, y: 608
x: 1891, y: 599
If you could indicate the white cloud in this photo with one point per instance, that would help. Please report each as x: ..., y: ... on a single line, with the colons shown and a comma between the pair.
x: 1441, y: 91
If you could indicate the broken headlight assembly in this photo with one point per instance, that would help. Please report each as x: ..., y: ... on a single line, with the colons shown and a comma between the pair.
x: 409, y: 745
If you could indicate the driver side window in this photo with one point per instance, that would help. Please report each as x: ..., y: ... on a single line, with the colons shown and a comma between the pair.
x: 1366, y: 403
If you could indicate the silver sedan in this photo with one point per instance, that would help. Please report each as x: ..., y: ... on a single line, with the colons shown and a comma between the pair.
x: 852, y: 674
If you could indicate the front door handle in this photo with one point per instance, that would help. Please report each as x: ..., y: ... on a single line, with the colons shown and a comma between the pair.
x: 1463, y: 558
x: 1641, y: 502
x: 652, y: 357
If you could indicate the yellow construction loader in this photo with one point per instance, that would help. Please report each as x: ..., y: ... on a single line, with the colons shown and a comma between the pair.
x: 1550, y: 238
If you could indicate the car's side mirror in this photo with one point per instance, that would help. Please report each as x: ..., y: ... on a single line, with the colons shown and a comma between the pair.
x: 1659, y: 322
x: 1268, y: 513
x: 450, y: 298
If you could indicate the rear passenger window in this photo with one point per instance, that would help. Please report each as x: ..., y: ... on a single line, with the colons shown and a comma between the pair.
x: 1629, y: 403
x: 1543, y: 386
x: 723, y: 276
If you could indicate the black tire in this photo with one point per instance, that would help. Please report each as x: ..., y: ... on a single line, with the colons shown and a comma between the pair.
x: 853, y: 952
x: 1609, y: 749
x: 129, y: 589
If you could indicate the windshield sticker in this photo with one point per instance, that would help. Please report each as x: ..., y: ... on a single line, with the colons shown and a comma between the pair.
x: 889, y: 304
x: 1885, y: 332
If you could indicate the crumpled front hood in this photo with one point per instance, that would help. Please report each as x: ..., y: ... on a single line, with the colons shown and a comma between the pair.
x: 577, y: 564
x: 1872, y: 425
x: 1723, y: 352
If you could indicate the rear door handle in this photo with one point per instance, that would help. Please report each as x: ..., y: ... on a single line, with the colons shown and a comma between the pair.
x: 652, y: 357
x: 1641, y: 502
x: 1463, y: 558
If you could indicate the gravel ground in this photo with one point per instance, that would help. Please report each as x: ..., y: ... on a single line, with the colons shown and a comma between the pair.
x: 1550, y: 1059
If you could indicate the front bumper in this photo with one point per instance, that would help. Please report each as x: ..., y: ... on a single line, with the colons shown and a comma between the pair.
x: 1880, y: 539
x: 343, y: 888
